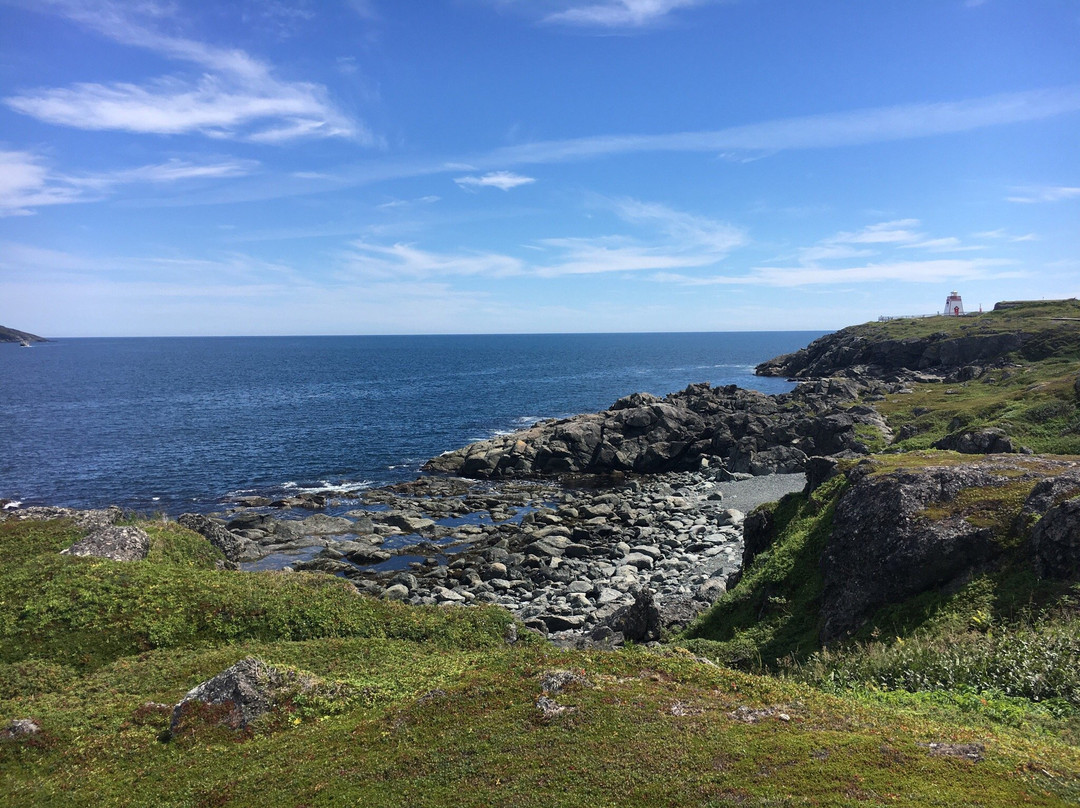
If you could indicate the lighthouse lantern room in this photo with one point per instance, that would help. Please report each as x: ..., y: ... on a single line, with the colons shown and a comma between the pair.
x: 954, y: 306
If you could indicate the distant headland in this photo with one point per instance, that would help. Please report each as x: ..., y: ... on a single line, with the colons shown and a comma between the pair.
x: 11, y: 335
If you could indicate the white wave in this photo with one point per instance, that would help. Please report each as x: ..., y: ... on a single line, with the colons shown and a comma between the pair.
x: 327, y: 487
x: 10, y: 506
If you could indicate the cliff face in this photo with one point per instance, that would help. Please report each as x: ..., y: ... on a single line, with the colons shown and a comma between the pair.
x: 939, y: 345
x: 11, y: 335
x: 852, y: 348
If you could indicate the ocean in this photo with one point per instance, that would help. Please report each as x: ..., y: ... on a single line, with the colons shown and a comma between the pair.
x: 179, y: 424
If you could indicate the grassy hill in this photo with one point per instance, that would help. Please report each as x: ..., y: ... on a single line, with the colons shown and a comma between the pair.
x: 436, y: 709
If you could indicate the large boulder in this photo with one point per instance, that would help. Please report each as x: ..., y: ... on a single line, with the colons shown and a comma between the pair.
x: 640, y: 621
x: 885, y: 547
x: 1055, y: 541
x: 115, y: 543
x: 977, y: 441
x: 234, y: 547
x: 243, y: 692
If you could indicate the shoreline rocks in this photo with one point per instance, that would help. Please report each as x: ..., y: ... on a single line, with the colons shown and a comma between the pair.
x: 726, y: 429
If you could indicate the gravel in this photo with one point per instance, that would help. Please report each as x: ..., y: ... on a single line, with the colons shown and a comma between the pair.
x: 745, y: 495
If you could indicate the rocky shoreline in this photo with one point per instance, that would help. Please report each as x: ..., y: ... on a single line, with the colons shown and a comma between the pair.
x: 596, y: 562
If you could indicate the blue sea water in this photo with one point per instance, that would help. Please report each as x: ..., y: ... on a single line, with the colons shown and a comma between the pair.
x: 175, y: 424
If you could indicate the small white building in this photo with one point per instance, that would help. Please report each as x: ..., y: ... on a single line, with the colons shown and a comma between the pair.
x: 954, y: 306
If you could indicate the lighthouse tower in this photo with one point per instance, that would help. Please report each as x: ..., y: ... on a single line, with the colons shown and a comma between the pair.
x: 954, y: 306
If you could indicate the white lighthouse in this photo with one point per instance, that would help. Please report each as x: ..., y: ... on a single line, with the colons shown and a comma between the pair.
x: 954, y: 306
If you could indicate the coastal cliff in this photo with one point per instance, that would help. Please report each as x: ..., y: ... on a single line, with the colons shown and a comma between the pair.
x: 942, y: 345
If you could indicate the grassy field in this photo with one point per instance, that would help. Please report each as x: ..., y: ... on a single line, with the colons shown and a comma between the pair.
x: 435, y: 708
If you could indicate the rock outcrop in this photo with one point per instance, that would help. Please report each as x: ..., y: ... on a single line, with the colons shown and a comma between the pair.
x: 11, y: 335
x: 977, y: 441
x: 741, y: 430
x: 1055, y: 541
x: 856, y: 351
x: 898, y: 534
x: 233, y: 546
x: 115, y: 543
x: 247, y: 690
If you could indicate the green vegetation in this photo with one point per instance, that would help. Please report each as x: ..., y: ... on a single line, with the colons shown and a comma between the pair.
x: 1035, y: 404
x: 430, y: 707
x: 1053, y: 327
x: 773, y: 611
x: 1005, y: 647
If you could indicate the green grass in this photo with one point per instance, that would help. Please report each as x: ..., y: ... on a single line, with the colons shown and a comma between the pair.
x: 1048, y: 334
x: 84, y: 612
x: 1035, y: 404
x: 434, y: 709
x: 773, y: 612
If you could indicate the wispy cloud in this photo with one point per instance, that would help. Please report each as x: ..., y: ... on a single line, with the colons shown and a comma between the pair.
x: 27, y: 182
x: 832, y: 130
x: 665, y: 239
x: 236, y: 96
x: 1044, y: 193
x: 406, y: 260
x: 934, y: 271
x: 503, y: 180
x: 619, y: 13
x: 895, y: 232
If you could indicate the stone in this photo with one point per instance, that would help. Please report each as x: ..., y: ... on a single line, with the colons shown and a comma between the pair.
x: 639, y: 560
x: 640, y: 621
x: 1055, y: 541
x: 115, y: 543
x: 396, y: 592
x: 883, y: 550
x: 248, y: 690
x: 980, y: 441
x: 232, y: 546
x: 20, y: 728
x: 562, y: 622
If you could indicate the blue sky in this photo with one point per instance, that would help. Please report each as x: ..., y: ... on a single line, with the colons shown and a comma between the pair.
x: 170, y: 167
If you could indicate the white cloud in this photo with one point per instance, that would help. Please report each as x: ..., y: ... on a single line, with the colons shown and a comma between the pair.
x: 678, y: 241
x: 405, y: 260
x: 831, y: 130
x: 503, y: 180
x: 894, y: 232
x: 947, y: 244
x: 695, y: 232
x: 619, y: 13
x: 236, y: 96
x: 1045, y: 193
x: 26, y: 182
x: 936, y: 271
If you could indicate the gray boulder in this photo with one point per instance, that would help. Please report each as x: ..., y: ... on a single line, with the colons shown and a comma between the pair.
x: 979, y: 441
x: 115, y: 543
x: 883, y: 549
x: 640, y: 621
x: 234, y: 547
x: 1055, y: 541
x: 247, y: 690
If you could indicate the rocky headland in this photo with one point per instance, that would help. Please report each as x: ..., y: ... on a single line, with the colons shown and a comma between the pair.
x: 22, y: 337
